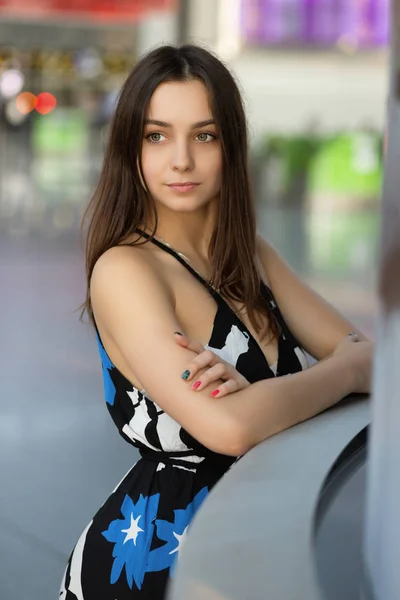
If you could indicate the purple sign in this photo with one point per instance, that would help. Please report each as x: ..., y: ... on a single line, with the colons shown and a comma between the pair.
x: 363, y: 23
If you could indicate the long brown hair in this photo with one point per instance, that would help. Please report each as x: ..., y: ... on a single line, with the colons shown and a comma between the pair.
x: 120, y: 203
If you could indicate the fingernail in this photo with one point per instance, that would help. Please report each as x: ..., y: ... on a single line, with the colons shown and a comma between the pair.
x: 177, y: 333
x: 196, y: 385
x: 215, y: 393
x: 185, y: 374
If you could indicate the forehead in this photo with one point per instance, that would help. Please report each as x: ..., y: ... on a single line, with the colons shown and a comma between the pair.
x: 180, y: 102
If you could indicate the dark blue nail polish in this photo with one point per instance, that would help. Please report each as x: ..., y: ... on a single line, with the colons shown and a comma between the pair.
x: 185, y: 374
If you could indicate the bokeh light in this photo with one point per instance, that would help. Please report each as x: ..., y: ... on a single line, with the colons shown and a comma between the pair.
x: 26, y: 103
x: 13, y: 115
x: 45, y: 103
x: 11, y: 83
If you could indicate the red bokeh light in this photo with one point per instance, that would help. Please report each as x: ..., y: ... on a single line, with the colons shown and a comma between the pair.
x: 45, y: 103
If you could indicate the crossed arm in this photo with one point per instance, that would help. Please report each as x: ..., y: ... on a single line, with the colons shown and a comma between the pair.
x: 139, y: 319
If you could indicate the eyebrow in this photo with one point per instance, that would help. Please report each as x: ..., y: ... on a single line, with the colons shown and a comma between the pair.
x: 165, y: 124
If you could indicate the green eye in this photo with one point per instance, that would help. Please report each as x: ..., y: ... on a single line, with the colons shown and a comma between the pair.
x: 155, y: 137
x: 206, y: 137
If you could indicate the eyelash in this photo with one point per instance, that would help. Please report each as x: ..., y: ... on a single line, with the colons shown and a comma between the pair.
x: 212, y: 135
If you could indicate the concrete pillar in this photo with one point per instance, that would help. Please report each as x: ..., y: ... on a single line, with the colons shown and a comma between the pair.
x: 382, y: 530
x: 214, y: 24
x: 202, y: 22
x: 155, y: 29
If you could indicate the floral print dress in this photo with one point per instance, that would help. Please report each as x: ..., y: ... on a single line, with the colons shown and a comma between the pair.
x: 129, y: 549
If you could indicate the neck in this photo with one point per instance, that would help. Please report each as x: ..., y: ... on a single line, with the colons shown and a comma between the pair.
x: 190, y: 233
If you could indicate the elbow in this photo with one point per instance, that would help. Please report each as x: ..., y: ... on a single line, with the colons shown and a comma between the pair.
x: 231, y: 439
x: 241, y: 444
x: 240, y: 440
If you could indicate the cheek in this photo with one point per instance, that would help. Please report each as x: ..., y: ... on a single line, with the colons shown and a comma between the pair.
x: 216, y: 170
x: 209, y: 161
x: 150, y: 166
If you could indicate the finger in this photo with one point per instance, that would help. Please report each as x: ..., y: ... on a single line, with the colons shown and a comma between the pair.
x: 353, y: 337
x: 215, y: 373
x: 202, y: 360
x: 228, y: 387
x: 185, y: 342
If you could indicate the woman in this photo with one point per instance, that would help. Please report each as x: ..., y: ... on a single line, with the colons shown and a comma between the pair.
x: 200, y: 324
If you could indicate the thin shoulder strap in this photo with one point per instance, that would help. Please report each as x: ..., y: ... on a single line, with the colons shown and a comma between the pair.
x: 183, y: 262
x: 270, y: 298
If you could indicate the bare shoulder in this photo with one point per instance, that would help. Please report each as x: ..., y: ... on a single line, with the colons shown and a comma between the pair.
x: 316, y: 324
x: 121, y: 258
x: 276, y: 268
x: 128, y: 282
x: 261, y: 243
x: 265, y: 249
x: 269, y: 259
x: 126, y: 266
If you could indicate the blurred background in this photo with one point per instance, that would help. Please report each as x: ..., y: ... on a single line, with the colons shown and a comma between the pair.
x: 314, y: 77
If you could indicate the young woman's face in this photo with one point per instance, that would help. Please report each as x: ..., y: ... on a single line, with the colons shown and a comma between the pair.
x: 181, y: 150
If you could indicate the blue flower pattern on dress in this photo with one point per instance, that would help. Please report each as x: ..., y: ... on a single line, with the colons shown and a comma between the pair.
x: 132, y: 537
x: 174, y: 534
x: 107, y: 366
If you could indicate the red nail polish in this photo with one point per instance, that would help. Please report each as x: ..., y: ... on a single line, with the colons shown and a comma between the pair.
x: 215, y: 393
x: 196, y: 385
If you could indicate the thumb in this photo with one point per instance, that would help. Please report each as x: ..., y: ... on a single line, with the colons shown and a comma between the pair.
x: 185, y: 342
x: 181, y: 340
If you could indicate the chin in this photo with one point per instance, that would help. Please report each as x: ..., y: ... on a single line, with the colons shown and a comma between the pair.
x: 184, y: 205
x: 185, y: 208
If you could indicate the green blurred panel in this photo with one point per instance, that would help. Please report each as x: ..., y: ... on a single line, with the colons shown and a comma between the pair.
x: 60, y: 179
x: 60, y: 168
x: 343, y: 241
x: 63, y: 130
x: 348, y: 164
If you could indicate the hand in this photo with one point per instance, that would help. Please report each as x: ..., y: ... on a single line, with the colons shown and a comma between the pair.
x: 359, y: 354
x: 218, y: 369
x: 344, y: 343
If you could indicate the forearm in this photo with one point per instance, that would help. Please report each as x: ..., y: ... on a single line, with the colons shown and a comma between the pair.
x: 273, y: 405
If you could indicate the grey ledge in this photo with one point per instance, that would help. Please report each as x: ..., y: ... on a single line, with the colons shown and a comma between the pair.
x: 253, y: 537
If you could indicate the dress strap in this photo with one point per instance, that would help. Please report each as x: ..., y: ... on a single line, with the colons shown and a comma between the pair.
x: 179, y: 258
x: 270, y: 298
x: 266, y: 293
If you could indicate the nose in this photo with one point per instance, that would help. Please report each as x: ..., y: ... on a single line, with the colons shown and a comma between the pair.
x: 182, y: 159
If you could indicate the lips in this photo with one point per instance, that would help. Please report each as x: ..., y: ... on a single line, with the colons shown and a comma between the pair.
x: 182, y: 183
x: 185, y: 186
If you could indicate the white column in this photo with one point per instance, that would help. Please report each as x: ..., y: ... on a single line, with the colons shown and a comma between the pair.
x: 214, y: 24
x: 382, y: 539
x: 155, y: 29
x: 382, y: 530
x: 203, y: 22
x: 228, y: 44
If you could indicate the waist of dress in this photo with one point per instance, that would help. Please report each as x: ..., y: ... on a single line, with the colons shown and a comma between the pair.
x: 189, y: 460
